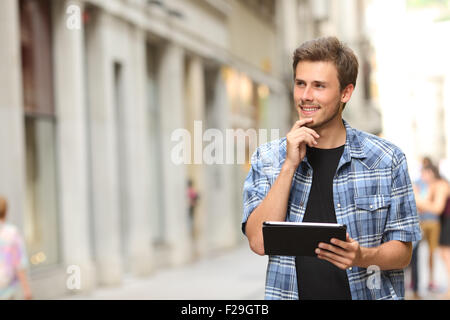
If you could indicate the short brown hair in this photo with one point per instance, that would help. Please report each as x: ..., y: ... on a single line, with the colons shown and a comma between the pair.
x: 333, y: 50
x: 3, y: 207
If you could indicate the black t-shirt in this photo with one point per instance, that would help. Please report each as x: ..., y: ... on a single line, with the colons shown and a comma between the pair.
x: 319, y: 279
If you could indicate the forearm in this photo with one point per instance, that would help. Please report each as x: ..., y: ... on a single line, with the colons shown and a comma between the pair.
x: 391, y: 255
x: 272, y: 208
x: 428, y: 206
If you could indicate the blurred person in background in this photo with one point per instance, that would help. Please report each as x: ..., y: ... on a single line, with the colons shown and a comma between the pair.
x: 430, y: 205
x: 13, y: 259
x: 419, y: 186
x: 444, y: 239
x: 193, y: 197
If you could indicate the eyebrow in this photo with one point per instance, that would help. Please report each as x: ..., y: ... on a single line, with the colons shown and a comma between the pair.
x: 315, y: 81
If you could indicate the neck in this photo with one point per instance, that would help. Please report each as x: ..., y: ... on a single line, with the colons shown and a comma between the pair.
x: 331, y: 136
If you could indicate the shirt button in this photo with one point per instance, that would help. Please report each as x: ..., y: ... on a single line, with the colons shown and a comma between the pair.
x: 350, y: 269
x: 371, y: 207
x: 339, y: 205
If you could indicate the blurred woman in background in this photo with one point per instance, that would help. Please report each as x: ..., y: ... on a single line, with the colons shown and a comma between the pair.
x: 430, y: 206
x: 444, y: 239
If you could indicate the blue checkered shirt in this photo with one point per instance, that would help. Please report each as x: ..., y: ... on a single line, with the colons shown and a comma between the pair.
x: 372, y: 195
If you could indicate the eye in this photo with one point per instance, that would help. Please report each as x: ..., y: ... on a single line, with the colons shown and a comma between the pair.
x: 320, y: 85
x: 300, y: 83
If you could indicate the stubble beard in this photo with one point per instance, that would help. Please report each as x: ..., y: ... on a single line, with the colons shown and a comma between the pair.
x: 324, y: 122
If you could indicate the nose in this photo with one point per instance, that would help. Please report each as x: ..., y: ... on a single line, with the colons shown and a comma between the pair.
x: 307, y: 94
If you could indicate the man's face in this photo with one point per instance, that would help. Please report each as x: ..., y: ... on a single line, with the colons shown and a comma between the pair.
x: 317, y: 93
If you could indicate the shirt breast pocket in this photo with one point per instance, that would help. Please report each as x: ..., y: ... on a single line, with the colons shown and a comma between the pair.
x: 371, y: 213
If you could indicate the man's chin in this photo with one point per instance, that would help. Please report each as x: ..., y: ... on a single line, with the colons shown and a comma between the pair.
x: 312, y: 125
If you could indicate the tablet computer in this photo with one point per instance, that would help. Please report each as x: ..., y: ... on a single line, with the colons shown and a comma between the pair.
x: 299, y: 238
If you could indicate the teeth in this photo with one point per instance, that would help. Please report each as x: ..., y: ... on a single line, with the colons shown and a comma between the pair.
x: 310, y: 109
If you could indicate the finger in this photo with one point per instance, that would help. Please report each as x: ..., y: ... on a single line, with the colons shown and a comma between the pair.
x: 310, y: 142
x: 343, y: 244
x: 301, y: 122
x: 309, y: 130
x: 334, y: 249
x: 336, y: 263
x: 305, y: 137
x: 336, y: 257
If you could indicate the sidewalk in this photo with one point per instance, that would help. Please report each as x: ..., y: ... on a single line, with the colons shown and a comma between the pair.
x: 237, y: 274
x: 440, y: 275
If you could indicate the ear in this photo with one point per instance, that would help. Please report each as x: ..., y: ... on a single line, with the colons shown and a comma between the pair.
x: 346, y: 94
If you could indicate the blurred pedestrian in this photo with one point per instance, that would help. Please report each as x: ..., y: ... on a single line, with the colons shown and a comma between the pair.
x: 444, y: 239
x: 430, y: 207
x: 13, y: 259
x: 420, y: 186
x: 193, y: 197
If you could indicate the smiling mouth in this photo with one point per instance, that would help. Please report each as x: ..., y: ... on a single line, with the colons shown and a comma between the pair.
x: 309, y: 109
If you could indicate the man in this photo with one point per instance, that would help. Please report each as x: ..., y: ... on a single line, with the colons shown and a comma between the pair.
x: 326, y: 171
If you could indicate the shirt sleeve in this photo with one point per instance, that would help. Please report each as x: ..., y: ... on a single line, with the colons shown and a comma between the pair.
x: 402, y: 220
x: 256, y: 187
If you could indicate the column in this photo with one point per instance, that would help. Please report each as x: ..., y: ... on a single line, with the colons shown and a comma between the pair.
x: 359, y: 112
x: 195, y: 98
x: 136, y: 158
x: 223, y: 225
x: 287, y: 20
x: 279, y: 111
x: 72, y: 142
x: 349, y: 33
x: 12, y: 161
x: 172, y: 103
x: 103, y: 152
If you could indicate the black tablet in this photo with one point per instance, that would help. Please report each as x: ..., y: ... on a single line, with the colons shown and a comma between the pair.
x: 299, y: 238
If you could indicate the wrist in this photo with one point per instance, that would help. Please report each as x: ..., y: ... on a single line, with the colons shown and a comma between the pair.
x: 288, y: 167
x: 366, y: 257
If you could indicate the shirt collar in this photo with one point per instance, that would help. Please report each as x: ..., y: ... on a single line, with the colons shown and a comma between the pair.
x: 353, y: 144
x: 353, y: 147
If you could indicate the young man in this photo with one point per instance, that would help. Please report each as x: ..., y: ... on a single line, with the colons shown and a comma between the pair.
x: 326, y: 171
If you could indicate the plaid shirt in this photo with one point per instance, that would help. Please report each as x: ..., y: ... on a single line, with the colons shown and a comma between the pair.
x: 372, y: 195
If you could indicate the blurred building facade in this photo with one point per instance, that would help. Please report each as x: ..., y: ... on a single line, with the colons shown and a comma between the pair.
x: 87, y: 116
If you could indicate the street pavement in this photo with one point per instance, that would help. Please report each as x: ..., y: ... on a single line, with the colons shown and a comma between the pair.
x: 236, y: 274
x: 440, y: 275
